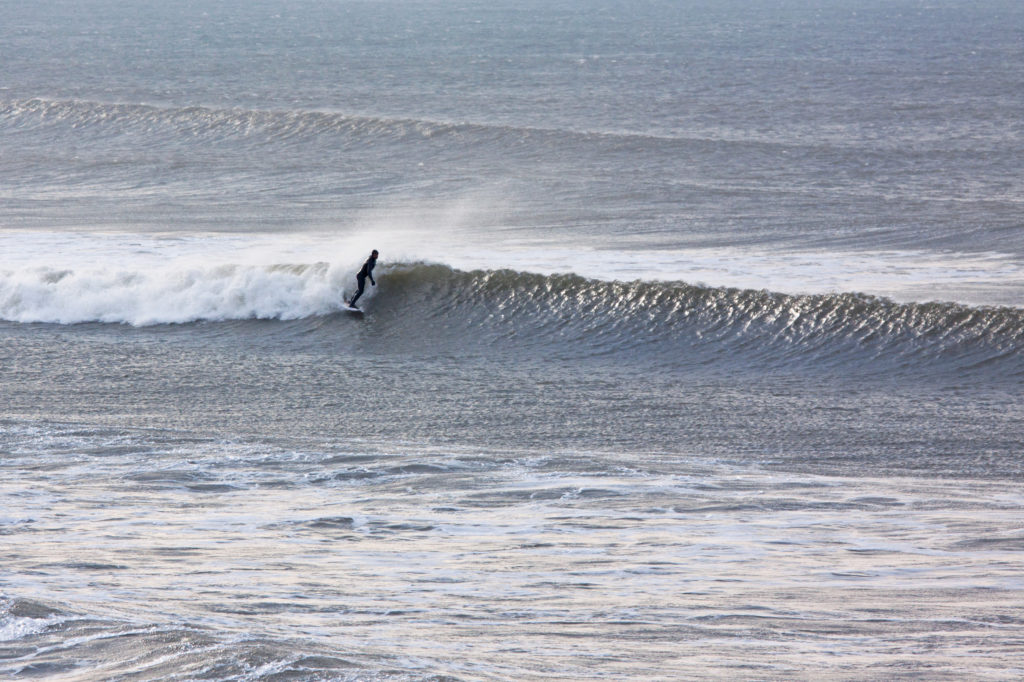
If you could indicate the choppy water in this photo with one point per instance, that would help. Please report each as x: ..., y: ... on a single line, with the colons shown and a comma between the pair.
x: 696, y: 350
x: 155, y: 556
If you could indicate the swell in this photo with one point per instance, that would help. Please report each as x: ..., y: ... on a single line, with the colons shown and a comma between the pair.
x: 200, y: 122
x: 92, y: 119
x: 205, y: 123
x: 112, y: 147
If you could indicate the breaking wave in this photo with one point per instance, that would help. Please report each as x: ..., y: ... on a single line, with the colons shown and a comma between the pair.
x: 170, y: 294
x: 435, y: 308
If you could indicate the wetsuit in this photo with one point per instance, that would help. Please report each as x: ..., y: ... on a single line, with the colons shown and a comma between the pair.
x: 364, y: 272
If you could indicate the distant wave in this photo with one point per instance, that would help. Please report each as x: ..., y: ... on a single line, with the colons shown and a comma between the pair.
x: 437, y: 308
x: 204, y: 122
x: 279, y: 125
x: 207, y: 122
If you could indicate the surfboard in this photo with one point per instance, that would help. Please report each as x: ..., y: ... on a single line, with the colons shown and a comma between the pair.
x: 351, y: 308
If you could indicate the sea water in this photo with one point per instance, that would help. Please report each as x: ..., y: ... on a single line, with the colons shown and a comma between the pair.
x: 695, y: 350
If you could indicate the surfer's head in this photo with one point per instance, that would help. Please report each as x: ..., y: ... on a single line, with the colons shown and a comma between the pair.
x: 374, y: 254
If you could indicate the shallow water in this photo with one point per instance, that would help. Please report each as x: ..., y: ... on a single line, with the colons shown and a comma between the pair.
x: 217, y: 559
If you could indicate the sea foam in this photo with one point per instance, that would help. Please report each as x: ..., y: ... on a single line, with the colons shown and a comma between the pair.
x: 170, y: 294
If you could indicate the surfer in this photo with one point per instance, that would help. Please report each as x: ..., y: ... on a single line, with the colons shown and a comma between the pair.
x: 364, y: 272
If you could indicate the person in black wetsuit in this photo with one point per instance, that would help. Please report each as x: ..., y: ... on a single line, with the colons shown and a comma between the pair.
x: 364, y: 272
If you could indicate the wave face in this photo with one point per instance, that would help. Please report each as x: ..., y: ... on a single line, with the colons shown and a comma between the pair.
x: 432, y: 308
x: 678, y: 324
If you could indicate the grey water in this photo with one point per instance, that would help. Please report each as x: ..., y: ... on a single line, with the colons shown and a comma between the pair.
x: 695, y: 350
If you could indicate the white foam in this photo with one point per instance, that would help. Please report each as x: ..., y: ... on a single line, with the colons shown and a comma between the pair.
x: 13, y: 629
x: 149, y: 280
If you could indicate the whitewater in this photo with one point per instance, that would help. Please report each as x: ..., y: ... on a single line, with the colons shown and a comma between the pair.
x: 142, y: 279
x: 696, y: 348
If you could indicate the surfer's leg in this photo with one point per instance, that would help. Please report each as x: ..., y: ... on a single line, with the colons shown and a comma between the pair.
x: 359, y: 291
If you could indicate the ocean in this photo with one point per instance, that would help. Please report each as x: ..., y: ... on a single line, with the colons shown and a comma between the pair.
x: 695, y: 352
